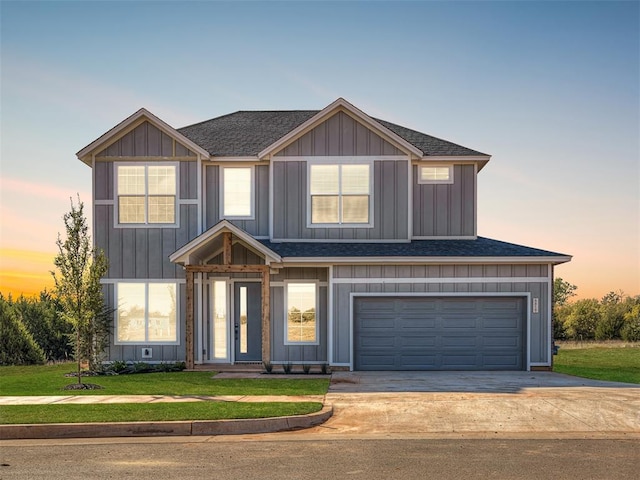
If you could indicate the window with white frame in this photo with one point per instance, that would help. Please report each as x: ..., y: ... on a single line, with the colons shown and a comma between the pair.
x: 146, y: 313
x: 146, y: 194
x: 302, y: 313
x: 237, y: 192
x: 340, y: 194
x: 435, y: 174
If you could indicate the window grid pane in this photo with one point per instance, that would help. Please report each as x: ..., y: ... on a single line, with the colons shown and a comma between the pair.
x: 131, y: 180
x: 355, y: 209
x: 324, y: 209
x: 131, y: 312
x: 324, y: 179
x: 355, y: 179
x: 131, y: 209
x: 162, y: 180
x: 162, y: 210
x: 162, y: 312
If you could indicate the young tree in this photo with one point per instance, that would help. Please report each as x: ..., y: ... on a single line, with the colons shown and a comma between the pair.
x: 562, y: 292
x: 77, y: 283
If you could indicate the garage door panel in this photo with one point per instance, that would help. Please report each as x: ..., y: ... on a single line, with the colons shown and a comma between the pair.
x: 439, y: 333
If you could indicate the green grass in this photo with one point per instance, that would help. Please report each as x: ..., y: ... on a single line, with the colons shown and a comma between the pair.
x: 50, y: 380
x: 613, y: 364
x: 138, y: 412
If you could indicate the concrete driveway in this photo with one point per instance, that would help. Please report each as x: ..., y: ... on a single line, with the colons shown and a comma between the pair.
x: 479, y: 402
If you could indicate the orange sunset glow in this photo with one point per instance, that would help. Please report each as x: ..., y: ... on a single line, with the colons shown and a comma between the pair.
x: 24, y: 272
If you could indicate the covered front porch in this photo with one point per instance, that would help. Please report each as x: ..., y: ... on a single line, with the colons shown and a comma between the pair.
x: 228, y: 297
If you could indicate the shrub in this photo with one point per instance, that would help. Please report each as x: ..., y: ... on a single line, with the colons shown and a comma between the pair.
x: 581, y: 322
x: 631, y: 329
x: 17, y: 346
x: 49, y: 330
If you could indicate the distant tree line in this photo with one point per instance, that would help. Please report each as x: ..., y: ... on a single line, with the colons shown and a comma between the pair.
x: 615, y: 316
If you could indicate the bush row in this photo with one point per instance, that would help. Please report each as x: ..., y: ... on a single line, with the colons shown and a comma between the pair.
x: 33, y: 331
x: 613, y: 317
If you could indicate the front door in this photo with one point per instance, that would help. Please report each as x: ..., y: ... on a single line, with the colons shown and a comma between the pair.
x: 248, y: 321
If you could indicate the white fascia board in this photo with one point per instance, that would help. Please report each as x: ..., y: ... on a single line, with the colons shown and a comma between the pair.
x: 480, y: 160
x: 143, y: 114
x: 341, y: 105
x: 425, y: 260
x: 181, y: 256
x: 214, y: 159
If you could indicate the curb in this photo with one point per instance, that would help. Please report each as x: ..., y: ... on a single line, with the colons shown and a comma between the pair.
x: 179, y: 428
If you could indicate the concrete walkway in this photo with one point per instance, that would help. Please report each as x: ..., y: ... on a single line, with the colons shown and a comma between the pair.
x: 102, y: 399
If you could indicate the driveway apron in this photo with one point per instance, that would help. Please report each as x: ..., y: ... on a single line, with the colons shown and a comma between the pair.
x: 488, y: 402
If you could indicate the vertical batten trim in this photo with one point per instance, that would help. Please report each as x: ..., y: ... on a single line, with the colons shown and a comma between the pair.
x: 475, y: 199
x: 271, y: 200
x: 330, y: 317
x: 409, y: 199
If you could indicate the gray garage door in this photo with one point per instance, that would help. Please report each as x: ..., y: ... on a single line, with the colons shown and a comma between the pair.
x: 439, y: 333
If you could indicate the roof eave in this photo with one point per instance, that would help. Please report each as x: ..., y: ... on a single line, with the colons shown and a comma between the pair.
x: 86, y: 154
x: 381, y: 260
x: 341, y: 103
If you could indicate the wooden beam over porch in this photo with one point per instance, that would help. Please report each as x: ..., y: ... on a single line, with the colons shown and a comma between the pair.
x: 264, y: 270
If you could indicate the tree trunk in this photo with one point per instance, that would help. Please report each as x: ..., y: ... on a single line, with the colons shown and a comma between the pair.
x: 78, y: 355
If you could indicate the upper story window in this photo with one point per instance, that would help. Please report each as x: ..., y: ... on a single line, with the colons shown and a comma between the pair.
x: 237, y: 192
x: 146, y: 194
x: 340, y: 194
x: 435, y: 174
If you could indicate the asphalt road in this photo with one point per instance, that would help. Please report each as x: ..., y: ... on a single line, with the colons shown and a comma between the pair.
x: 286, y: 456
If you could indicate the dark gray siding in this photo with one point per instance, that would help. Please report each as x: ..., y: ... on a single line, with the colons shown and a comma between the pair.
x: 445, y: 210
x: 259, y: 226
x: 143, y: 252
x: 390, y: 204
x: 426, y: 282
x: 339, y: 135
x: 160, y: 353
x: 146, y: 140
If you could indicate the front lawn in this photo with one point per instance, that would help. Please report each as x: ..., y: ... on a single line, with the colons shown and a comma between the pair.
x: 50, y: 380
x: 149, y: 412
x: 614, y: 364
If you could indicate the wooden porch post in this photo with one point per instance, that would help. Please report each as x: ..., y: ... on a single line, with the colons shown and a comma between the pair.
x: 188, y: 331
x: 226, y: 249
x: 266, y: 317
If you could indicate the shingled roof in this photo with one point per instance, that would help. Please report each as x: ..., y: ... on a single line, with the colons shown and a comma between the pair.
x: 480, y: 247
x: 246, y: 133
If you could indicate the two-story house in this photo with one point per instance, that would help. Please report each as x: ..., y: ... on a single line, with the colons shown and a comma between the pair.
x: 309, y: 237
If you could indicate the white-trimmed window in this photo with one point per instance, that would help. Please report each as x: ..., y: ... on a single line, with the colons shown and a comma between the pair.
x: 237, y: 192
x: 146, y: 193
x: 435, y: 174
x: 147, y: 313
x: 340, y: 194
x: 301, y: 316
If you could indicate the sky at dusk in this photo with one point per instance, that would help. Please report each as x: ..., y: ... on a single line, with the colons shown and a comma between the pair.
x: 549, y: 89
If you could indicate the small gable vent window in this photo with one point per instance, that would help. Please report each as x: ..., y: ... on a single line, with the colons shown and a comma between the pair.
x: 439, y: 174
x: 146, y: 194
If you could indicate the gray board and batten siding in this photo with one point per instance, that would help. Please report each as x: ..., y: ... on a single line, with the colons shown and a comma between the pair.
x: 463, y: 281
x: 259, y: 225
x: 143, y: 252
x: 339, y: 135
x: 445, y: 210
